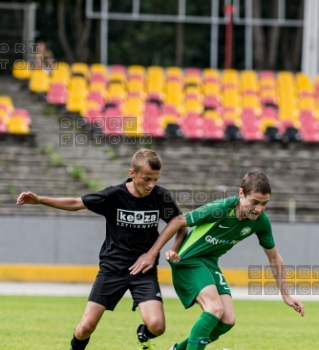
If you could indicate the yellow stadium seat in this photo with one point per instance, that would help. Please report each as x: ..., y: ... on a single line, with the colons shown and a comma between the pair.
x: 63, y: 66
x: 75, y: 103
x: 211, y: 74
x: 133, y: 106
x: 117, y: 77
x: 18, y: 125
x: 135, y: 86
x: 89, y: 104
x: 231, y: 98
x: 193, y: 80
x: 211, y: 89
x: 80, y: 68
x: 116, y: 91
x: 288, y: 113
x: 137, y: 71
x: 249, y: 81
x: 230, y: 77
x: 21, y: 70
x: 211, y: 114
x: 173, y: 88
x: 175, y: 72
x: 193, y: 106
x: 250, y: 101
x: 304, y: 84
x: 7, y: 101
x: 307, y: 103
x: 265, y: 82
x: 155, y: 72
x: 156, y: 87
x: 98, y: 68
x: 98, y: 86
x: 39, y: 81
x: 77, y: 82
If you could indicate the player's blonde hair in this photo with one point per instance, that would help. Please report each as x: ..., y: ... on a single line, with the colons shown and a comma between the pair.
x: 255, y: 181
x: 146, y: 157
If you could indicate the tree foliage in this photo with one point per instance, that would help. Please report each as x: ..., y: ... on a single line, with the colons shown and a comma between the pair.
x: 73, y: 37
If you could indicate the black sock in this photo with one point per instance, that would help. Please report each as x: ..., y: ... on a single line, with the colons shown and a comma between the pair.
x: 144, y: 334
x: 77, y: 344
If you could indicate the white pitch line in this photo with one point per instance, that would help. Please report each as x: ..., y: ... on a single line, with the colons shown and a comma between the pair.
x: 83, y: 289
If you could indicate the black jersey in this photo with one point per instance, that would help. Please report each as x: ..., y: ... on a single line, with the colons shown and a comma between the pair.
x: 131, y: 222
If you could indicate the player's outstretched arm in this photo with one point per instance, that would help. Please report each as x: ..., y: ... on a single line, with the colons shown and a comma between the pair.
x: 70, y: 204
x: 146, y: 261
x: 277, y: 264
x: 171, y: 254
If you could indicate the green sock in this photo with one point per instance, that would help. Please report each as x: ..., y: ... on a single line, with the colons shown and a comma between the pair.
x: 220, y: 329
x: 182, y: 345
x: 199, y: 336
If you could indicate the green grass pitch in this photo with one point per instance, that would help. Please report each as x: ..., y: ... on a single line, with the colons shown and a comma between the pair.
x: 47, y: 323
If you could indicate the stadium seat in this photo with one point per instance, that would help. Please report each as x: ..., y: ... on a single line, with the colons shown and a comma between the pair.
x: 251, y: 131
x: 116, y: 93
x: 3, y: 127
x: 136, y: 72
x: 305, y: 87
x: 4, y: 116
x: 18, y: 125
x: 133, y: 106
x: 166, y: 119
x: 22, y: 113
x: 136, y: 86
x: 232, y: 132
x: 117, y: 74
x: 57, y: 94
x: 174, y: 73
x: 80, y: 69
x: 39, y: 81
x: 21, y: 70
x: 75, y: 103
x: 211, y: 76
x: 97, y: 96
x: 98, y: 68
x: 213, y: 129
x: 98, y: 77
x: 173, y: 130
x: 7, y: 103
x: 230, y: 79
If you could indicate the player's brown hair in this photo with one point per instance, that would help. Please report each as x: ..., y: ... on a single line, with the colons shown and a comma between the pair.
x: 255, y: 181
x: 146, y: 157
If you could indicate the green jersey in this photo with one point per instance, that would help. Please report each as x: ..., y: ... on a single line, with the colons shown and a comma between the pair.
x: 217, y: 229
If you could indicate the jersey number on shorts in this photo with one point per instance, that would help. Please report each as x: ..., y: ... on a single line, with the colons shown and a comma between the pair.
x: 221, y: 279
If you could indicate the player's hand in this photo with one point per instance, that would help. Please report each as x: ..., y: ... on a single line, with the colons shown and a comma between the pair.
x: 28, y: 198
x: 172, y: 256
x: 295, y: 304
x: 144, y: 263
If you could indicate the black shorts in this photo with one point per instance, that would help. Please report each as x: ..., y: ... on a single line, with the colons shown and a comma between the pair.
x: 109, y: 288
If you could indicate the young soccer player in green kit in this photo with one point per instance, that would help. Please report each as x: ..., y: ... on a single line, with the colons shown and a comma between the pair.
x: 197, y: 278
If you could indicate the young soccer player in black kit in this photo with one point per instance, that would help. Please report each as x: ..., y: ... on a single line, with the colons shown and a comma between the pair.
x: 132, y: 211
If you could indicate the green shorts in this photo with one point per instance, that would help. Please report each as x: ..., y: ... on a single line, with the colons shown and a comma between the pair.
x: 191, y: 276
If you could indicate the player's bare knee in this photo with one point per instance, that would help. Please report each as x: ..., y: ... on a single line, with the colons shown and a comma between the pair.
x: 229, y: 319
x: 217, y: 310
x: 86, y: 328
x: 156, y: 327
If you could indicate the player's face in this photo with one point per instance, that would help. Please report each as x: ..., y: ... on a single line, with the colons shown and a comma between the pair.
x: 253, y: 204
x: 144, y: 180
